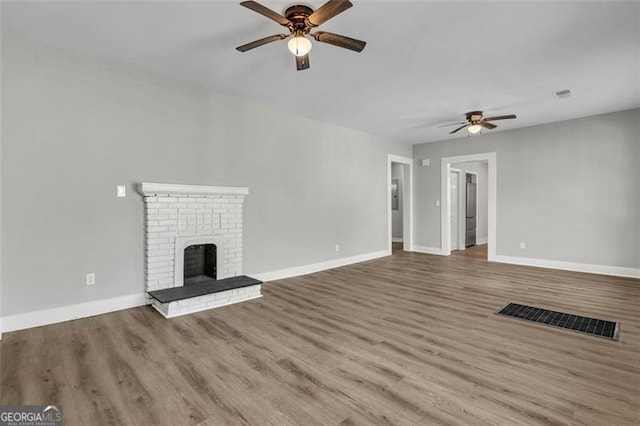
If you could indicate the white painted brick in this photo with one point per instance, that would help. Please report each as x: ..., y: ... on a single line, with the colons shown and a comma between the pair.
x: 152, y: 229
x: 157, y: 276
x: 157, y: 240
x: 177, y: 214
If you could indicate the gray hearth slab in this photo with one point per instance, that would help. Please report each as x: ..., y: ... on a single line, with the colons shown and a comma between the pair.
x: 200, y: 289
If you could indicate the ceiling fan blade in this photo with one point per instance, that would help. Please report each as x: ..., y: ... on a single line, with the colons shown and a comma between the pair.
x: 459, y: 128
x: 261, y: 42
x: 265, y: 11
x: 452, y: 124
x: 327, y: 11
x: 340, y: 41
x: 487, y: 125
x: 302, y: 62
x: 500, y: 117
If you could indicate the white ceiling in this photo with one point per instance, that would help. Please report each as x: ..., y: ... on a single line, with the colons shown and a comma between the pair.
x: 425, y: 62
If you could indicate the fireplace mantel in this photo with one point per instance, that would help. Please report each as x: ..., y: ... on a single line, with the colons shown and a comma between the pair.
x: 150, y: 189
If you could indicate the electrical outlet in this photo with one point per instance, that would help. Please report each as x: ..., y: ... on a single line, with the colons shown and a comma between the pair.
x: 522, y: 246
x: 337, y: 248
x: 91, y: 279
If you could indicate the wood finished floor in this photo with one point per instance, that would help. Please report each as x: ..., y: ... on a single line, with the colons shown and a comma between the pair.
x: 408, y: 339
x: 477, y: 252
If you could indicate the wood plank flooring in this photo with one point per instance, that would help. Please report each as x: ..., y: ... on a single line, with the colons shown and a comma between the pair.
x: 408, y: 339
x: 478, y: 252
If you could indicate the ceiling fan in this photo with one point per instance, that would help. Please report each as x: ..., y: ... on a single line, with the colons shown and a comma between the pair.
x: 300, y: 20
x: 475, y: 122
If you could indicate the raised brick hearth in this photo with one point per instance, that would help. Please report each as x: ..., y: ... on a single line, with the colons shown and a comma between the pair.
x: 179, y: 216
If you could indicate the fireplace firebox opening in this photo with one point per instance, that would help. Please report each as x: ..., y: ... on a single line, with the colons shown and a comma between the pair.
x: 199, y: 263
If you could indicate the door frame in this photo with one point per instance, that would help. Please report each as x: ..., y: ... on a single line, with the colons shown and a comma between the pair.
x: 407, y: 202
x: 445, y: 194
x: 460, y: 210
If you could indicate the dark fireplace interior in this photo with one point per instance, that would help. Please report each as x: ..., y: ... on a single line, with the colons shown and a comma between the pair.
x: 199, y: 263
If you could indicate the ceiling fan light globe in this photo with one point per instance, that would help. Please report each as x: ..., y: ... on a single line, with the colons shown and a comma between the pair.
x: 299, y: 45
x: 474, y: 128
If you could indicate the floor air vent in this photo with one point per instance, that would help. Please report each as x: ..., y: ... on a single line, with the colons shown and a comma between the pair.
x: 577, y: 323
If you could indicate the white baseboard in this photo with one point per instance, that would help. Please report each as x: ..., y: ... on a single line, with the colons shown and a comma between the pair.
x: 481, y: 241
x: 617, y: 271
x: 98, y: 307
x: 71, y: 312
x: 396, y: 240
x: 317, y: 267
x: 427, y: 250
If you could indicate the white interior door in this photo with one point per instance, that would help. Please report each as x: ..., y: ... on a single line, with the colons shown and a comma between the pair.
x: 454, y: 210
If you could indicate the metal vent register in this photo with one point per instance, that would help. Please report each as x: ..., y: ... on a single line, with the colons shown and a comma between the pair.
x: 577, y: 323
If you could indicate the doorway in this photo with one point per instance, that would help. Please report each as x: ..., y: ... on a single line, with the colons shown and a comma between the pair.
x: 400, y: 204
x: 476, y: 204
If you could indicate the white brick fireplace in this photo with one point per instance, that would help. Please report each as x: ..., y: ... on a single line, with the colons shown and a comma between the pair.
x: 178, y: 216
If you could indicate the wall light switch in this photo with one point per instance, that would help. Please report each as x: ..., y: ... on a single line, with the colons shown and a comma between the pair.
x: 337, y: 247
x: 522, y: 246
x: 121, y: 191
x: 424, y: 162
x: 91, y: 279
x: 437, y: 203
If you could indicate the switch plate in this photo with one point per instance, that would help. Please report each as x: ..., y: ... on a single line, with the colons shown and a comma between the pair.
x: 437, y: 203
x: 424, y: 162
x: 91, y: 279
x: 522, y: 246
x: 121, y: 191
x: 337, y: 248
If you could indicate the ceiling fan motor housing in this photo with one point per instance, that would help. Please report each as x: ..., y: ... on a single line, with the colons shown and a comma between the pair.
x: 474, y: 116
x: 298, y: 14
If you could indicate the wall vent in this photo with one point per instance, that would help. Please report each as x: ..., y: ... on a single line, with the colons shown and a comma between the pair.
x: 561, y: 94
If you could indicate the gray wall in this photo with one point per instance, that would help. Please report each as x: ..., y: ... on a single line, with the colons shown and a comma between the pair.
x: 569, y: 190
x: 397, y: 172
x: 482, y: 202
x: 74, y: 129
